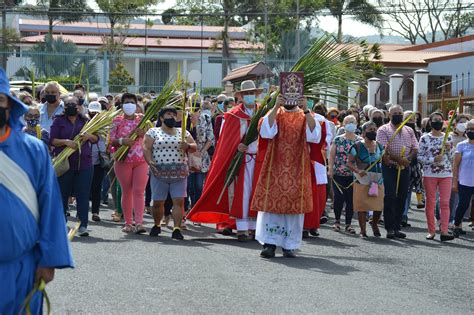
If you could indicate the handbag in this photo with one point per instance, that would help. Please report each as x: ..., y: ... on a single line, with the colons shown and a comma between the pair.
x: 195, y: 161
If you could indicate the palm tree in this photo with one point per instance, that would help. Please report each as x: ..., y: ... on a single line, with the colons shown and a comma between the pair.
x: 360, y: 10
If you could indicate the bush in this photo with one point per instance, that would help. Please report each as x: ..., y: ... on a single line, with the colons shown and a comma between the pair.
x: 120, y: 79
x: 211, y: 91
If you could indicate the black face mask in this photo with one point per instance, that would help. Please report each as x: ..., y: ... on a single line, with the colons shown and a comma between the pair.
x: 470, y: 135
x: 169, y: 122
x: 437, y: 125
x: 397, y: 119
x: 71, y: 111
x: 411, y: 125
x: 378, y: 121
x: 3, y: 117
x: 418, y: 122
x: 50, y: 98
x: 371, y: 135
x: 81, y: 101
x: 289, y: 107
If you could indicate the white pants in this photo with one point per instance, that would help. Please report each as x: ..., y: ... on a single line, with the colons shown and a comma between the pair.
x: 284, y: 230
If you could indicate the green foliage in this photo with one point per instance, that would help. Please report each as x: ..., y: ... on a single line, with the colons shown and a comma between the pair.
x: 120, y: 79
x: 211, y: 91
x: 65, y: 11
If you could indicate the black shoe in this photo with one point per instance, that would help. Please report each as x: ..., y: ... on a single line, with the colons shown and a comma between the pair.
x: 268, y: 251
x: 288, y: 253
x: 457, y: 232
x: 399, y: 234
x: 305, y: 234
x: 177, y: 234
x: 242, y: 238
x: 447, y: 237
x: 227, y: 231
x: 323, y: 219
x: 405, y: 224
x: 391, y: 234
x: 314, y: 232
x: 155, y: 231
x: 95, y: 217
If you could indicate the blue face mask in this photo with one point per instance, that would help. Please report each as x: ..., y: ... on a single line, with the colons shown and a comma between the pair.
x: 249, y: 99
x: 220, y: 106
x: 350, y: 127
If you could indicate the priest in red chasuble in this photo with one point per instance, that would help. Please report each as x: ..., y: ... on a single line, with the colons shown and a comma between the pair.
x: 233, y: 210
x: 283, y: 193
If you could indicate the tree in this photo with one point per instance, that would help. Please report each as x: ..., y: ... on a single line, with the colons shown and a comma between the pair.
x: 118, y: 22
x: 429, y: 20
x: 8, y: 36
x: 65, y: 11
x: 360, y: 10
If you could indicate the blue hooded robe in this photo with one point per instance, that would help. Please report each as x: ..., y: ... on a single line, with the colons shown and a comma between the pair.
x: 32, y: 226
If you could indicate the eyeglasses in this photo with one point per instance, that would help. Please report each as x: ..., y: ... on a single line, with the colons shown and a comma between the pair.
x: 70, y: 104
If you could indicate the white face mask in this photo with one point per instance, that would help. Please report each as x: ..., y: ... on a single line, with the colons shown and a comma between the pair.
x: 129, y: 108
x: 350, y: 127
x: 461, y: 128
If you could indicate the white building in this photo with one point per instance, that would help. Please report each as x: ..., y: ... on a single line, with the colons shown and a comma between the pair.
x: 151, y: 55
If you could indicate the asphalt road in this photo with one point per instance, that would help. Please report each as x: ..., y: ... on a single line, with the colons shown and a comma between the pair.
x: 208, y: 273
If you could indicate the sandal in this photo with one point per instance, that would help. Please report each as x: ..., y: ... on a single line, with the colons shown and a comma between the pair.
x: 336, y: 227
x: 127, y: 228
x: 349, y: 229
x: 140, y: 229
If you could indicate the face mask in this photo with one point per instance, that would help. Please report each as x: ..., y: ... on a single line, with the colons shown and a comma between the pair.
x: 50, y: 98
x: 129, y: 108
x: 437, y: 125
x: 169, y: 122
x: 220, y: 106
x: 351, y: 128
x: 71, y: 111
x: 3, y: 117
x: 81, y: 101
x: 411, y: 125
x: 32, y: 122
x: 249, y: 99
x: 397, y: 119
x: 289, y: 107
x: 418, y: 122
x: 461, y: 128
x: 378, y: 121
x: 371, y: 135
x: 470, y: 135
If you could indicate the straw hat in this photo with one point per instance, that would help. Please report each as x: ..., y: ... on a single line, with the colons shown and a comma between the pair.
x: 248, y: 86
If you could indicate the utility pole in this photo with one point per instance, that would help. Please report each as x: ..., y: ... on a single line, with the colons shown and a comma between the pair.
x: 266, y: 24
x: 298, y: 29
x: 3, y: 53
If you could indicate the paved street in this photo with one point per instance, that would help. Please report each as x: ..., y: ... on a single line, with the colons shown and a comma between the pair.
x: 211, y: 273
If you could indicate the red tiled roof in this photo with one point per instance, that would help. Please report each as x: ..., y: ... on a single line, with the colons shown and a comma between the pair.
x: 251, y: 71
x: 150, y: 43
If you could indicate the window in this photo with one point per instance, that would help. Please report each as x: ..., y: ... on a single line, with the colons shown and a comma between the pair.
x: 153, y: 75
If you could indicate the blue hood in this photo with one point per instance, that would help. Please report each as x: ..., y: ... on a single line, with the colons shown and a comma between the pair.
x: 18, y: 109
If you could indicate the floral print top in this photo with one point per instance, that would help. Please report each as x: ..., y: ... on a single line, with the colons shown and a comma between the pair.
x: 430, y: 147
x: 204, y: 132
x: 122, y: 128
x: 343, y: 148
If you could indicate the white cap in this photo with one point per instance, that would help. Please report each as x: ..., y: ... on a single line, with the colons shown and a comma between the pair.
x: 103, y: 99
x: 95, y: 107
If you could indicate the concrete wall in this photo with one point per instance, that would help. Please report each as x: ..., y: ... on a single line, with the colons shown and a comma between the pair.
x: 453, y: 67
x: 464, y: 47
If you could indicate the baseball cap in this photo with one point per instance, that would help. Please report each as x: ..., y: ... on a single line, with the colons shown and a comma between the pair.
x: 103, y: 99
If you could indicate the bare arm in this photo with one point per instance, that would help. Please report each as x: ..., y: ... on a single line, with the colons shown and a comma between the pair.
x: 332, y: 157
x: 148, y: 149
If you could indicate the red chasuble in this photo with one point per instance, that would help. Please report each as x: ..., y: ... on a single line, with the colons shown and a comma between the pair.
x: 284, y: 184
x: 206, y: 210
x: 311, y: 220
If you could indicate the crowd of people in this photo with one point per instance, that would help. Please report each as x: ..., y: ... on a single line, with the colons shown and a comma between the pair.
x: 366, y: 161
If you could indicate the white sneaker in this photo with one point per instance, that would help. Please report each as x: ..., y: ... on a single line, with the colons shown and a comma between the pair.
x: 83, y: 231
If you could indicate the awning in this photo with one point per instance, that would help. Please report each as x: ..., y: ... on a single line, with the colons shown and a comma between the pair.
x: 252, y: 71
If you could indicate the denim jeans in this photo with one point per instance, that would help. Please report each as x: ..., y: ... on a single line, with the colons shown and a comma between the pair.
x: 195, y: 185
x: 79, y: 182
x: 394, y: 204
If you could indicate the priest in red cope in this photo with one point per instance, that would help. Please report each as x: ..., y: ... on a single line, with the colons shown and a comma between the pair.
x: 233, y: 210
x: 319, y: 178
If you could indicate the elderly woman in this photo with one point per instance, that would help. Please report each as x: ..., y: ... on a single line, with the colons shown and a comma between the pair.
x: 33, y: 128
x: 377, y: 116
x: 341, y: 175
x: 78, y: 178
x: 463, y: 180
x: 437, y: 175
x: 368, y: 193
x: 165, y: 152
x: 132, y: 172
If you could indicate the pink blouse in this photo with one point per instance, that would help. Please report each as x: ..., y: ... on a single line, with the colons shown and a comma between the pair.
x: 122, y: 128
